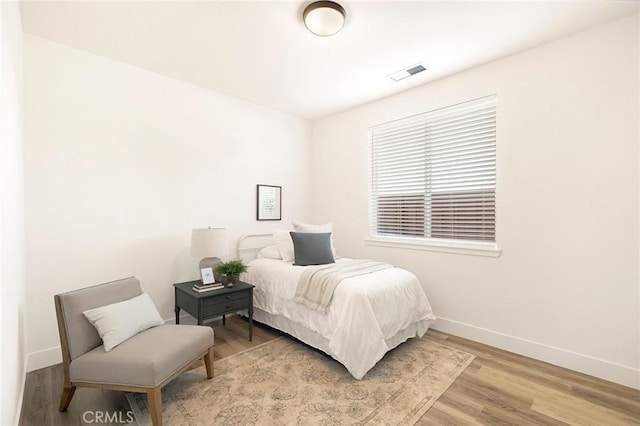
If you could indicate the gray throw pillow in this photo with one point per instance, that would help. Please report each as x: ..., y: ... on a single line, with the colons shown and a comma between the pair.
x: 312, y: 248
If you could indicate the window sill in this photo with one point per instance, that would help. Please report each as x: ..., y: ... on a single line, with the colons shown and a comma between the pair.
x: 444, y: 246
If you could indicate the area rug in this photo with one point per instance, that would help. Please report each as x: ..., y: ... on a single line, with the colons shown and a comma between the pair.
x: 284, y: 382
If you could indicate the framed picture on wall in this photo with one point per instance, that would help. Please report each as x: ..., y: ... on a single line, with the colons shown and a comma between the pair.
x: 269, y: 202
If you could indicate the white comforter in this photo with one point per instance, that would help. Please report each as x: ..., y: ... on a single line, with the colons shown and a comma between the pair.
x: 365, y: 310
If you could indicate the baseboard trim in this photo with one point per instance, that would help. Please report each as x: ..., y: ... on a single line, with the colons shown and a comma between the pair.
x: 16, y: 420
x: 600, y: 368
x: 44, y: 358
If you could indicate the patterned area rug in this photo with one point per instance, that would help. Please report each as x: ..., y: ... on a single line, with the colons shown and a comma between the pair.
x: 284, y: 382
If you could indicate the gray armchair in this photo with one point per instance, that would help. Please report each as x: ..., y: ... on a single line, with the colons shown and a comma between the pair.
x: 143, y: 363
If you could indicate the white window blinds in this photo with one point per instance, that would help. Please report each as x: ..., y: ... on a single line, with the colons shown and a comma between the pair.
x: 433, y: 176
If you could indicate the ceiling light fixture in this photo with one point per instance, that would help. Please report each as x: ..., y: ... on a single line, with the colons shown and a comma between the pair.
x: 324, y: 18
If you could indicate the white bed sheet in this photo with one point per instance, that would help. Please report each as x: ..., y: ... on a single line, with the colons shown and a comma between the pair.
x: 365, y: 314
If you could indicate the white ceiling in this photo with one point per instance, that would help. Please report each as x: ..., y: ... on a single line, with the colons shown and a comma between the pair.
x: 260, y: 51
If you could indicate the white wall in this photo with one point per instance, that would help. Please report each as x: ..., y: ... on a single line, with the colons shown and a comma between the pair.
x: 566, y: 287
x: 122, y: 163
x: 12, y: 277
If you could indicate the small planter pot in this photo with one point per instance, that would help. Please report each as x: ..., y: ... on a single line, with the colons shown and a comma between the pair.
x: 232, y: 280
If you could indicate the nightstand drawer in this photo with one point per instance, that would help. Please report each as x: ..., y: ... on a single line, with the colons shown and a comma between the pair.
x: 224, y: 298
x: 223, y: 307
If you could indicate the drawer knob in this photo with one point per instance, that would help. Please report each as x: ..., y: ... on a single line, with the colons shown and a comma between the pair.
x: 228, y: 297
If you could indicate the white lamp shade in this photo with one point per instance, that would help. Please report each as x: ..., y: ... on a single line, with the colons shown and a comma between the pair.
x: 209, y: 242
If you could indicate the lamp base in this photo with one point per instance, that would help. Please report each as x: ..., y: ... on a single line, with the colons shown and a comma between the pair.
x: 211, y: 262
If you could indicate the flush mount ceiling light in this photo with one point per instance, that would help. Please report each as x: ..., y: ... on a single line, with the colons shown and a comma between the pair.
x: 324, y: 18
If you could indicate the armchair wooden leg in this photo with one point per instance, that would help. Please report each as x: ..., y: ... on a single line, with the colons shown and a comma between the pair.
x: 154, y: 396
x: 208, y: 363
x: 65, y: 398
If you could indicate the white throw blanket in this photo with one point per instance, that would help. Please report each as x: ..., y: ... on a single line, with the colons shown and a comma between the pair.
x: 318, y: 283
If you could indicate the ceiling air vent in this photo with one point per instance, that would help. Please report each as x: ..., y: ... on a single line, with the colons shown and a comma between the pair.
x: 408, y: 72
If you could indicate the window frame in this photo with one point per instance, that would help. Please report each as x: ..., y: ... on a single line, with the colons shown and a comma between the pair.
x: 457, y: 245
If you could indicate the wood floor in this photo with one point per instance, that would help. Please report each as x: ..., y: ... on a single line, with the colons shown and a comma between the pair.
x: 498, y: 388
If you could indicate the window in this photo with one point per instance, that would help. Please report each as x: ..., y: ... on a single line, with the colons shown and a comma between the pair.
x: 433, y: 177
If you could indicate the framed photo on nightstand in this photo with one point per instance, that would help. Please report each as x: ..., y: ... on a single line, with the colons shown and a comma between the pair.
x: 207, y: 275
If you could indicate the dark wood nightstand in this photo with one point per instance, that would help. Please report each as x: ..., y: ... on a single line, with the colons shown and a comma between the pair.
x: 212, y: 304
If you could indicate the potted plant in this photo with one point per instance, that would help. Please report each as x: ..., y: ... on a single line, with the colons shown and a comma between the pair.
x: 232, y: 269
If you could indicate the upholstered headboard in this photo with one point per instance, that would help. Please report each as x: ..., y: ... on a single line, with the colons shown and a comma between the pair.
x: 250, y: 245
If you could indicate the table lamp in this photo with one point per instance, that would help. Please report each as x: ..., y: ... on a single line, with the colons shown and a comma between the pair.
x: 208, y: 243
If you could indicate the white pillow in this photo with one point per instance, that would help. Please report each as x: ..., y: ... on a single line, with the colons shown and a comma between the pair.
x: 119, y: 321
x: 270, y: 252
x: 316, y: 229
x: 284, y: 244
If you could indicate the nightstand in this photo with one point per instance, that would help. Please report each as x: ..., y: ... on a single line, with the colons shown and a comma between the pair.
x: 212, y: 304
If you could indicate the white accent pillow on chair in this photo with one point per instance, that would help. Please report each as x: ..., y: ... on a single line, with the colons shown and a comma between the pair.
x: 120, y: 321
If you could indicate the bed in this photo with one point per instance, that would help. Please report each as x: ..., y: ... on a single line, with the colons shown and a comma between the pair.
x: 368, y: 315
